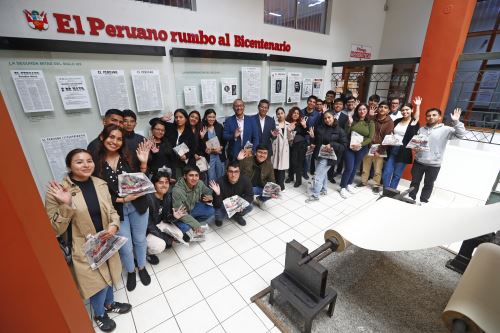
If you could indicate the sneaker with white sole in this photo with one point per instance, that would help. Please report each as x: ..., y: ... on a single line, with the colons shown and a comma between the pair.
x: 312, y: 198
x: 343, y: 193
x: 351, y: 189
x: 323, y: 192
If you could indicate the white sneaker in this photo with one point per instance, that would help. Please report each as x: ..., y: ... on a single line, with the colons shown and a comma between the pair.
x: 343, y: 193
x: 351, y: 189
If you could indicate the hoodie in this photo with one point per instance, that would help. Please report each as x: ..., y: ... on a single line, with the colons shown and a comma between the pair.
x: 183, y: 195
x: 438, y: 138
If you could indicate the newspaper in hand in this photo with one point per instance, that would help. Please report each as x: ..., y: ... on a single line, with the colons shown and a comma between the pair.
x: 419, y: 142
x: 271, y: 190
x: 327, y: 152
x: 173, y: 231
x: 234, y: 204
x: 356, y: 139
x: 134, y: 183
x: 392, y: 140
x: 181, y: 149
x: 213, y: 143
x: 202, y: 164
x: 310, y: 150
x: 248, y: 145
x: 98, y: 251
x: 374, y: 149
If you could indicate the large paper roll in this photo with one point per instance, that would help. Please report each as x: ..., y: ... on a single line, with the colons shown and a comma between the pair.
x: 476, y: 299
x: 393, y: 225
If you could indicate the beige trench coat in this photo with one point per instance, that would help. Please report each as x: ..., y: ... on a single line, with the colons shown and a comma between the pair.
x: 89, y: 281
x: 281, y: 148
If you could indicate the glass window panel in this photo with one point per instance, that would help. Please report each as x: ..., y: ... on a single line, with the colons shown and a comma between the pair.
x: 311, y: 15
x: 485, y: 15
x: 280, y: 12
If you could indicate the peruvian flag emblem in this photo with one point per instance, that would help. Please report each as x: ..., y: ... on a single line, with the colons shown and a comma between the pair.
x: 37, y: 20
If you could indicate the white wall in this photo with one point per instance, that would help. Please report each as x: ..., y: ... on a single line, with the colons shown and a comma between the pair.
x: 404, y: 29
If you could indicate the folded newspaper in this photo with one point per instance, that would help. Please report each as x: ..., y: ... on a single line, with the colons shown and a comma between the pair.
x: 202, y: 164
x: 134, y: 183
x: 374, y: 149
x: 173, y: 231
x: 327, y: 152
x: 213, y: 143
x: 234, y: 205
x: 356, y: 139
x: 98, y: 251
x: 392, y: 140
x: 419, y: 142
x: 271, y: 189
x: 181, y: 149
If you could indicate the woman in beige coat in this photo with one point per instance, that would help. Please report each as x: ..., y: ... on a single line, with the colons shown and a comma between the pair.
x: 281, y: 147
x: 83, y: 203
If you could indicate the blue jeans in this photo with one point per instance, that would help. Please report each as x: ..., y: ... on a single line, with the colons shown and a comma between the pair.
x: 258, y: 191
x: 133, y: 227
x: 221, y: 214
x: 392, y: 169
x: 352, y: 160
x: 307, y: 165
x: 102, y: 298
x: 216, y: 169
x: 320, y: 176
x: 202, y: 212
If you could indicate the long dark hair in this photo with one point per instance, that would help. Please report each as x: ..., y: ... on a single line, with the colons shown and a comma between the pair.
x: 290, y: 113
x: 185, y: 114
x: 198, y: 126
x: 334, y: 124
x: 206, y: 114
x: 100, y: 158
x: 355, y: 116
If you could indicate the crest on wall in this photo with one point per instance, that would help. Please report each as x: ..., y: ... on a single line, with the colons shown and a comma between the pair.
x: 37, y: 20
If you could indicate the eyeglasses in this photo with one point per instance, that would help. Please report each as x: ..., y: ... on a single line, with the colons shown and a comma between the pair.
x: 158, y: 129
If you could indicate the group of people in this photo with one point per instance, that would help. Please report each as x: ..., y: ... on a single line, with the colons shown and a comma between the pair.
x: 250, y: 152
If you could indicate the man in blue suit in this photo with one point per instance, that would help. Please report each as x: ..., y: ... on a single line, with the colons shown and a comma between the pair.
x: 265, y: 126
x: 238, y: 130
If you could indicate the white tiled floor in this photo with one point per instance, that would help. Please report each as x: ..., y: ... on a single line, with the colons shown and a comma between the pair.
x: 207, y: 286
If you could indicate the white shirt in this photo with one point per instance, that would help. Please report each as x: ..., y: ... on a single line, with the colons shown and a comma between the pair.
x: 241, y: 123
x: 396, y: 115
x: 262, y: 122
x: 400, y: 130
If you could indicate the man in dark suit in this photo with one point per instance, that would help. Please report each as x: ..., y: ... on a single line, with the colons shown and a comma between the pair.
x: 265, y: 125
x: 238, y: 130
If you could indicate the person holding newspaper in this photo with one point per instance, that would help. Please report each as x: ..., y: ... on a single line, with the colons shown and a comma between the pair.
x: 111, y: 160
x: 161, y: 230
x: 383, y: 126
x: 259, y: 170
x: 233, y: 183
x: 360, y: 130
x: 74, y: 208
x: 192, y: 194
x: 398, y: 155
x: 330, y: 143
x: 214, y: 144
x: 428, y: 159
x: 182, y: 140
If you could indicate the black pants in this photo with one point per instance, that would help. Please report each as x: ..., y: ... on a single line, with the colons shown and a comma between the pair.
x: 417, y: 173
x: 280, y: 178
x: 297, y: 157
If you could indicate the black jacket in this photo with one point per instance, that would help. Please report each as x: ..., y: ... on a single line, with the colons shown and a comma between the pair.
x: 335, y: 136
x: 219, y: 132
x: 164, y: 157
x: 156, y: 217
x: 405, y: 155
x: 243, y: 188
x: 186, y: 137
